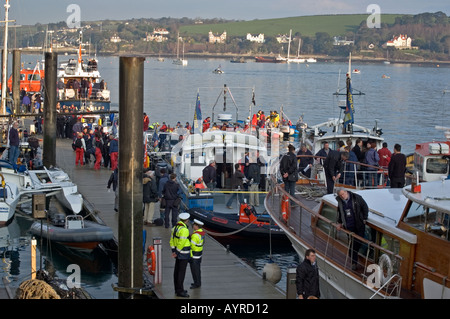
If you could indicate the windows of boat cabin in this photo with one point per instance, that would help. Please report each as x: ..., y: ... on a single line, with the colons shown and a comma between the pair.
x: 437, y: 165
x: 428, y: 220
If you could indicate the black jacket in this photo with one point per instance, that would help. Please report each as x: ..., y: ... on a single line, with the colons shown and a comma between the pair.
x: 307, y: 279
x: 288, y: 165
x: 150, y: 191
x: 333, y: 163
x: 360, y: 209
x: 170, y: 190
x: 209, y: 174
x: 397, y: 166
x: 305, y: 161
x: 254, y: 172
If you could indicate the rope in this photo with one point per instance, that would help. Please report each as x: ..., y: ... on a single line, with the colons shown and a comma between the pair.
x: 310, y: 192
x: 230, y: 233
x: 36, y: 289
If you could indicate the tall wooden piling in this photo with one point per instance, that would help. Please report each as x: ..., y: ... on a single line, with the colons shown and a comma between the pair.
x: 15, y: 87
x: 131, y: 97
x: 49, y: 132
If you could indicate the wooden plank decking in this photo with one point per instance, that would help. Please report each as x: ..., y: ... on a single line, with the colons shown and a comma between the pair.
x: 224, y: 275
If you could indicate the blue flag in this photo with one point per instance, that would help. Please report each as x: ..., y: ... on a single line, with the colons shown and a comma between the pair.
x: 197, y: 116
x: 349, y: 109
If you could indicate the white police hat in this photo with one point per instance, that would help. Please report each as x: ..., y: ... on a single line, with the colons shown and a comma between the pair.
x: 196, y: 221
x: 184, y: 216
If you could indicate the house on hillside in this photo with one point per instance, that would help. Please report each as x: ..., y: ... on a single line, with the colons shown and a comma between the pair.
x: 282, y: 38
x: 158, y: 35
x: 115, y: 39
x: 258, y: 39
x: 217, y: 38
x: 400, y: 42
x: 338, y: 41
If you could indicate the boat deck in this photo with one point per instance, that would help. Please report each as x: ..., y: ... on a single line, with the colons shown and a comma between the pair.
x: 224, y: 275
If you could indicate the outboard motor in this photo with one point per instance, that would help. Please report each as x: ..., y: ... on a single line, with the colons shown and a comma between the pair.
x: 58, y: 220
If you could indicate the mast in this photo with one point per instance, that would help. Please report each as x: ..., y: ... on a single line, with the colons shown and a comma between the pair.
x: 298, y: 50
x: 289, y: 45
x: 349, y: 74
x: 5, y: 62
x: 80, y: 59
x: 178, y: 45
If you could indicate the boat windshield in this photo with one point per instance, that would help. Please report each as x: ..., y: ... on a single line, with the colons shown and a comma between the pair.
x: 437, y: 165
x: 429, y: 220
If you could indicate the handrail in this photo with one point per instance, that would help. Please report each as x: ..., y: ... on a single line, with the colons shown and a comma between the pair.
x: 345, y: 161
x: 388, y: 282
x: 326, y: 220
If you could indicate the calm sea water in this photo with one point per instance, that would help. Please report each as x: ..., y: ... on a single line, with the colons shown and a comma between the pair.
x: 407, y: 106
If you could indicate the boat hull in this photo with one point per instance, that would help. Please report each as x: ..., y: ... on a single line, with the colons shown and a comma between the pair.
x: 85, y: 238
x: 225, y: 223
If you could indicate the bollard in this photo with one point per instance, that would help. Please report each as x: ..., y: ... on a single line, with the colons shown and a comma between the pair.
x: 33, y: 258
x: 157, y: 245
x: 291, y: 288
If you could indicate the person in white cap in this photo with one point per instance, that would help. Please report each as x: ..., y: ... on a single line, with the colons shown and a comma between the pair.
x: 181, y: 251
x: 197, y: 241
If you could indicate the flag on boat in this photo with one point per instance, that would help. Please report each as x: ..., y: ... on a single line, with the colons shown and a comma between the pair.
x: 349, y: 109
x: 197, y: 116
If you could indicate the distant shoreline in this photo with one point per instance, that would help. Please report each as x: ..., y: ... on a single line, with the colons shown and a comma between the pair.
x: 319, y: 58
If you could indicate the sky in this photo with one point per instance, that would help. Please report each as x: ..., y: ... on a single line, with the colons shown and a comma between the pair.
x: 30, y: 12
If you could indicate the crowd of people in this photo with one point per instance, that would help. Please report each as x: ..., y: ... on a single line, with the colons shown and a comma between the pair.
x: 94, y: 144
x: 343, y: 164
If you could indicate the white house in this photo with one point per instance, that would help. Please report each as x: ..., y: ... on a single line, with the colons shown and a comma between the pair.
x: 115, y: 39
x: 339, y: 41
x: 282, y: 38
x: 400, y: 42
x: 217, y: 39
x: 258, y: 39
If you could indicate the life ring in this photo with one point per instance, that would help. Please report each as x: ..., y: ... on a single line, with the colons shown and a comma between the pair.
x: 285, y: 208
x: 151, y: 260
x: 386, y: 268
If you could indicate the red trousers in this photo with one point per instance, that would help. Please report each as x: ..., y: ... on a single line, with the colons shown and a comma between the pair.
x: 114, y: 160
x: 79, y: 156
x: 98, y: 158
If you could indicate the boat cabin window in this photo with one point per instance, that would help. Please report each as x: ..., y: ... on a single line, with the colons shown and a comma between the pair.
x: 197, y: 158
x: 437, y: 165
x: 330, y: 213
x: 34, y: 77
x: 428, y: 220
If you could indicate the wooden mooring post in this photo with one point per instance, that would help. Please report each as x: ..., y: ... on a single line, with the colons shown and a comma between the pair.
x: 131, y: 101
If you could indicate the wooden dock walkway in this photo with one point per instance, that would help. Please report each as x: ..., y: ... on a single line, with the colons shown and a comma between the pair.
x: 224, y: 275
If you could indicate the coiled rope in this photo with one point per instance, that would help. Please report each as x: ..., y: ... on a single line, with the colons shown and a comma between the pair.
x: 310, y: 192
x: 36, y: 289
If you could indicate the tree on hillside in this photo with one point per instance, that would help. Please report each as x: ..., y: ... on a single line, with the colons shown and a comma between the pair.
x: 323, y: 43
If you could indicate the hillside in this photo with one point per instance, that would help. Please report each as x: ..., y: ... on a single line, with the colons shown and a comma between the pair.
x: 334, y: 25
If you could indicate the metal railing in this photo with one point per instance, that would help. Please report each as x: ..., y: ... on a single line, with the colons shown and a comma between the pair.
x: 321, y: 233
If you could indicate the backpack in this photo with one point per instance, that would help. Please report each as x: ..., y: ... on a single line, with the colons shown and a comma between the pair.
x: 77, y: 144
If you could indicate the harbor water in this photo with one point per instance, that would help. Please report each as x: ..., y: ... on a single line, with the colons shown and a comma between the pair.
x: 407, y: 106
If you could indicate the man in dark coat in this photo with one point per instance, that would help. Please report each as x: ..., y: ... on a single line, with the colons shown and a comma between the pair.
x: 334, y: 167
x: 289, y: 170
x: 397, y: 168
x: 307, y: 277
x: 305, y: 163
x: 209, y: 175
x: 149, y: 196
x: 352, y: 213
x: 171, y: 192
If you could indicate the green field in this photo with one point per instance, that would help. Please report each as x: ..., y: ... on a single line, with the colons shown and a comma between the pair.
x: 306, y: 25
